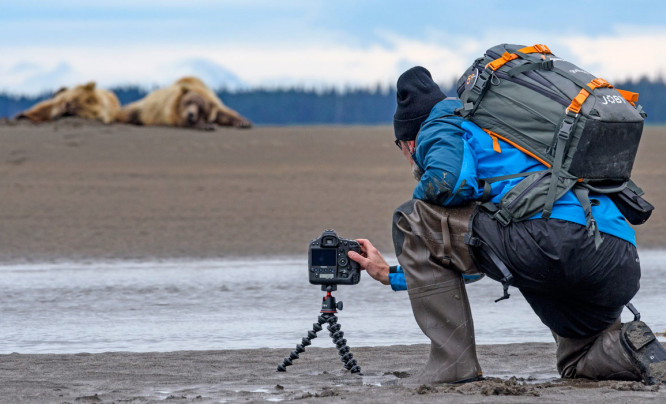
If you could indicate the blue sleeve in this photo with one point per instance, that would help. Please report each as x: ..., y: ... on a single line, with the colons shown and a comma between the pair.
x: 397, y: 279
x: 448, y: 163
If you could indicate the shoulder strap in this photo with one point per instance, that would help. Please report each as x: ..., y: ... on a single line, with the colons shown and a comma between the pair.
x: 583, y: 195
x: 507, y: 279
x: 563, y: 135
x: 485, y: 182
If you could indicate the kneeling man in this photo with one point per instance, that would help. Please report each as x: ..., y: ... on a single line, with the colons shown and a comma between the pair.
x: 443, y: 238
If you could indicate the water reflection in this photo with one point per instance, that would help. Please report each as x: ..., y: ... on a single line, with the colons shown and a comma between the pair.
x: 234, y: 304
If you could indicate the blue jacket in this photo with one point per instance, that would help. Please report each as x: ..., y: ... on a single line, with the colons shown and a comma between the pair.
x: 454, y: 153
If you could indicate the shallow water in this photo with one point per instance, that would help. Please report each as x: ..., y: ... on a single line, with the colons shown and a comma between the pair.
x: 235, y: 304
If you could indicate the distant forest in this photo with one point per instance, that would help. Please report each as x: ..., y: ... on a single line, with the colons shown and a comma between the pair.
x: 359, y: 106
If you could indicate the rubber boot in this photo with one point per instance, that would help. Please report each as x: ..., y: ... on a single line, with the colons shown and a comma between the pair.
x: 437, y: 295
x: 600, y: 357
x: 645, y: 351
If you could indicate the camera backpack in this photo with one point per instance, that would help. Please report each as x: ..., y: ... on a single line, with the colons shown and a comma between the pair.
x: 579, y: 126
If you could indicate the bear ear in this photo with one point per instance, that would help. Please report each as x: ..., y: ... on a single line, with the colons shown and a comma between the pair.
x: 60, y: 90
x: 89, y: 86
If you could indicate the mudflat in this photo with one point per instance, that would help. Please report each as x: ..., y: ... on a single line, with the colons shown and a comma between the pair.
x: 78, y: 190
x: 516, y: 373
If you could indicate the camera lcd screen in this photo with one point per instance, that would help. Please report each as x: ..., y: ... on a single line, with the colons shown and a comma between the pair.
x: 324, y: 257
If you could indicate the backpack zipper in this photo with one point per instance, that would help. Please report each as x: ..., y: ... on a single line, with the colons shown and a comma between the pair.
x: 551, y: 95
x: 533, y: 87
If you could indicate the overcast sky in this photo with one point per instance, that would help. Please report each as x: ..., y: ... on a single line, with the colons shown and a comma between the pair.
x: 47, y: 44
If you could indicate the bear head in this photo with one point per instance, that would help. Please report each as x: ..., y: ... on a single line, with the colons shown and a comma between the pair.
x: 194, y: 110
x: 84, y: 101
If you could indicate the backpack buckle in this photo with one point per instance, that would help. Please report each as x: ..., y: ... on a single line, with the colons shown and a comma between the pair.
x: 472, y: 241
x: 565, y: 131
x: 566, y: 126
x: 502, y: 217
x: 499, y: 62
x: 599, y: 82
x: 547, y: 65
x: 569, y: 113
x: 540, y: 48
x: 509, y: 56
x: 481, y: 82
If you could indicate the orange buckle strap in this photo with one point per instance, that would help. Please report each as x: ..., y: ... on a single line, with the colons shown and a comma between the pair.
x: 578, y: 101
x: 538, y: 48
x: 598, y: 83
x: 506, y: 57
x: 497, y: 63
x: 632, y: 98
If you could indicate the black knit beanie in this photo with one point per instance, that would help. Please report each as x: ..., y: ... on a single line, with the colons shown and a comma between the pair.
x: 417, y: 94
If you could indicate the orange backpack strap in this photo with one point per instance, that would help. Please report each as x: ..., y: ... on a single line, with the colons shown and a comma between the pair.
x: 538, y: 48
x: 578, y: 101
x: 632, y: 98
x: 506, y: 57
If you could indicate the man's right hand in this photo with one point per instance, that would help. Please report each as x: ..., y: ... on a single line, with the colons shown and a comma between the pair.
x: 371, y: 261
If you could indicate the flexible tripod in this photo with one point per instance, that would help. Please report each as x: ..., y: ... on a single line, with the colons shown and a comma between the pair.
x: 328, y: 310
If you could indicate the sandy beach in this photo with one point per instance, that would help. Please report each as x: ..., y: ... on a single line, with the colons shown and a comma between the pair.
x: 521, y: 373
x: 81, y: 190
x: 77, y: 190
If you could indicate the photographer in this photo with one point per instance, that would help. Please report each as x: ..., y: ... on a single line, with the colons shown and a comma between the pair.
x: 576, y: 289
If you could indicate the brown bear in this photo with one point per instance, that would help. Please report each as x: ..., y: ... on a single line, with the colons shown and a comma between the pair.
x: 85, y: 101
x: 186, y: 103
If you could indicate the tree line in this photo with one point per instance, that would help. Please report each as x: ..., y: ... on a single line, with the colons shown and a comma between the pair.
x: 352, y: 106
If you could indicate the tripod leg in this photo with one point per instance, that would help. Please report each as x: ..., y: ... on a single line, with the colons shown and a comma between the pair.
x: 343, y: 350
x: 300, y: 348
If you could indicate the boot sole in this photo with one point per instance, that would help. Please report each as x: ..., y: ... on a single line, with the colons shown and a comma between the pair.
x: 645, y: 351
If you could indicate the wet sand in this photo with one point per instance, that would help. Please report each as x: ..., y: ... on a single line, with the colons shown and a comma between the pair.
x: 77, y: 190
x: 521, y: 373
x: 80, y: 190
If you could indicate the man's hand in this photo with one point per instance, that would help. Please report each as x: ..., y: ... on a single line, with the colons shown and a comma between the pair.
x: 371, y: 261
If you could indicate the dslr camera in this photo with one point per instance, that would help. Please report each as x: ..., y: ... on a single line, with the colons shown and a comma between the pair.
x: 328, y: 263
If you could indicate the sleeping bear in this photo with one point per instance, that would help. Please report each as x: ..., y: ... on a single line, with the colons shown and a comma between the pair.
x: 187, y: 103
x: 84, y: 101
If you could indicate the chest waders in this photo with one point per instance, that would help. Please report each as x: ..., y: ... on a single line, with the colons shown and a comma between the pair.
x: 430, y: 247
